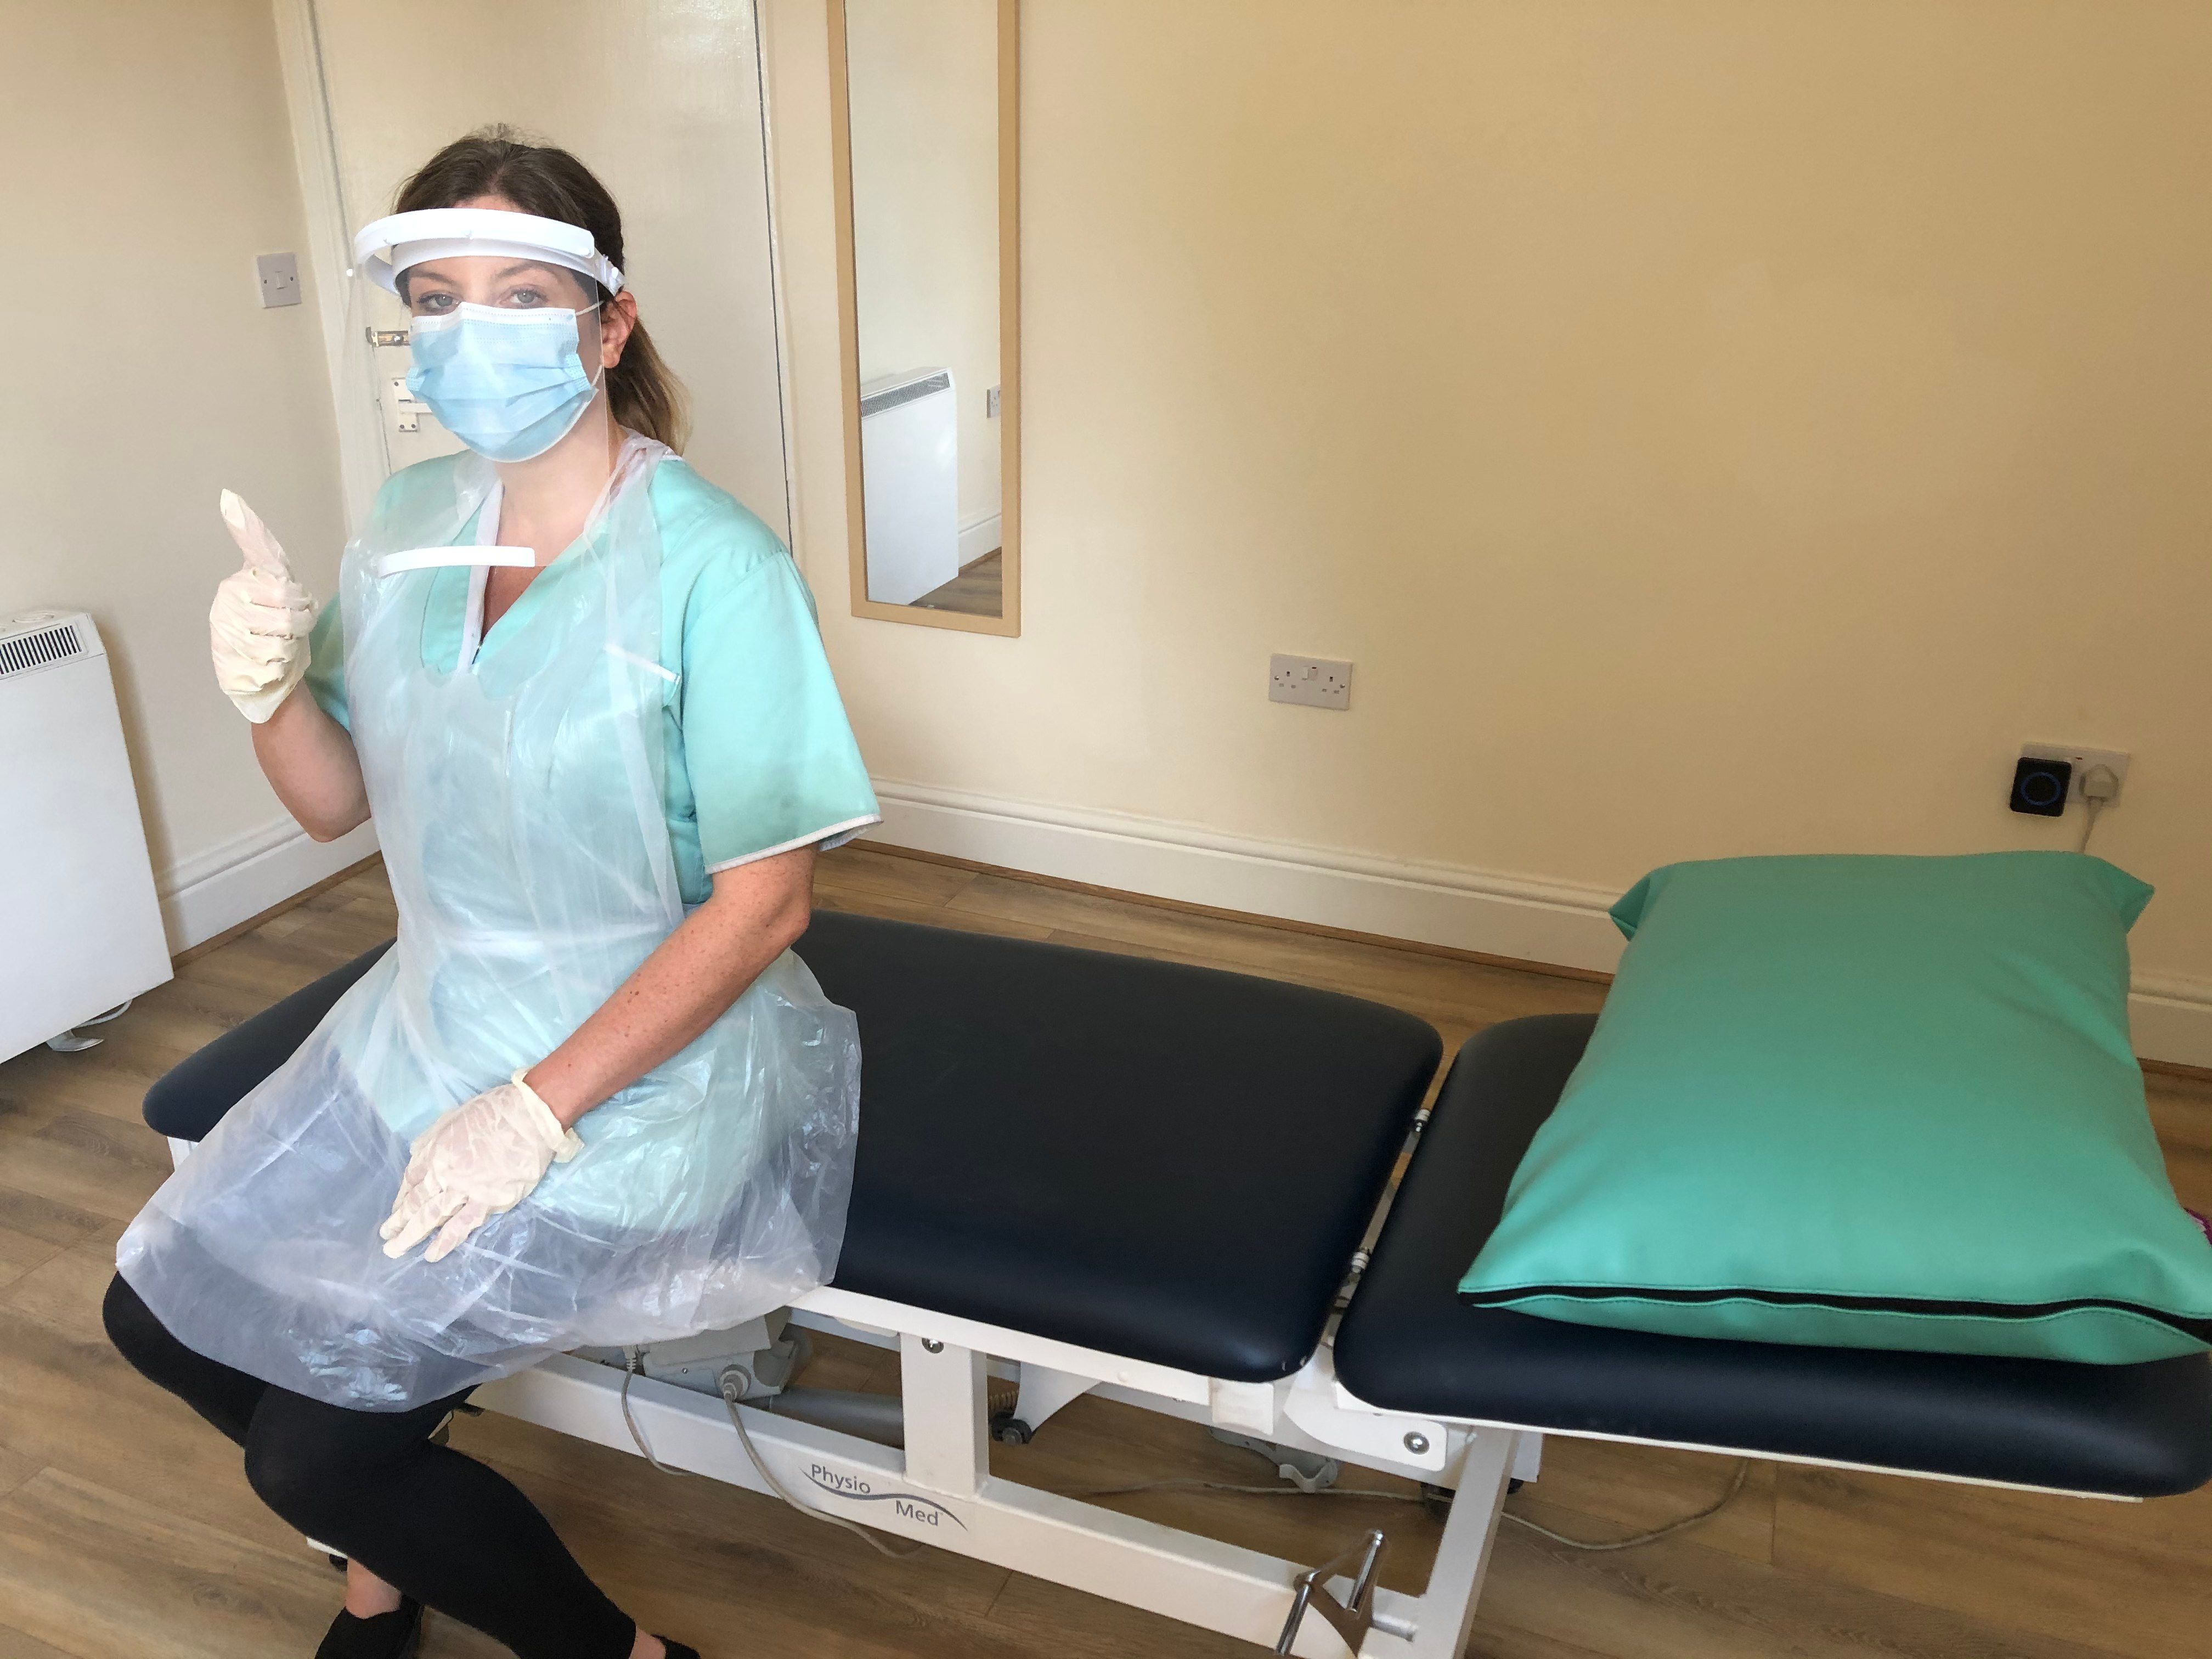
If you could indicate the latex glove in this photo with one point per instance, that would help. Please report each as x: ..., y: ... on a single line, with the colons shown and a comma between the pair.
x: 260, y: 620
x: 479, y: 1160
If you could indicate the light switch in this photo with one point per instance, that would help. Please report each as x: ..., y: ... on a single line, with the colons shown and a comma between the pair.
x: 279, y: 276
x: 1317, y: 682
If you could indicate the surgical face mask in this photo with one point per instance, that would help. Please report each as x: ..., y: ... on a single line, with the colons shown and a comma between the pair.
x: 507, y: 383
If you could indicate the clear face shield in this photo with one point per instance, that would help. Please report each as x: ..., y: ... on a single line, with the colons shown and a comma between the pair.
x: 484, y: 329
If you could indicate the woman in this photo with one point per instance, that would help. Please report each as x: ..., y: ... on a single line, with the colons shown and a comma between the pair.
x: 589, y: 1097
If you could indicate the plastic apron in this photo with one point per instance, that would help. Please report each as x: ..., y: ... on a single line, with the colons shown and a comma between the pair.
x: 519, y: 803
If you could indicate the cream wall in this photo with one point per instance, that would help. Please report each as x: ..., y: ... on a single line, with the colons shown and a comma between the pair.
x: 1713, y: 428
x: 925, y: 115
x: 149, y: 161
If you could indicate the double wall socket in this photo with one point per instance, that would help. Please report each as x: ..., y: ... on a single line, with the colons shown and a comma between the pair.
x: 2083, y: 761
x: 1318, y: 682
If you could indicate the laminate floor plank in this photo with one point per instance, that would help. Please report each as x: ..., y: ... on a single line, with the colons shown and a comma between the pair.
x: 20, y: 1252
x: 103, y: 1576
x: 2181, y: 1108
x: 1678, y: 1600
x: 83, y: 1161
x: 68, y: 1401
x: 2133, y: 1577
x: 34, y: 1220
x: 2190, y: 1168
x: 860, y: 868
x: 1598, y: 1489
x: 16, y: 1469
x: 860, y: 902
x: 18, y: 1644
x: 1491, y: 1641
x: 66, y: 1290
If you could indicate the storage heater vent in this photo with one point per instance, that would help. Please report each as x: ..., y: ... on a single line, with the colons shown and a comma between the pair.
x: 83, y: 925
x: 25, y: 651
x: 910, y: 483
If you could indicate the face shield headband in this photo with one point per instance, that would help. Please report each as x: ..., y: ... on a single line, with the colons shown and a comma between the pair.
x: 383, y: 251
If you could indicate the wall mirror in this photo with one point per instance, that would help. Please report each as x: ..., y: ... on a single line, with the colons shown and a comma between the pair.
x: 925, y: 120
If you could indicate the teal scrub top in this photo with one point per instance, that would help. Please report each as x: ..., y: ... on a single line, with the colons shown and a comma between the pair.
x: 761, y: 757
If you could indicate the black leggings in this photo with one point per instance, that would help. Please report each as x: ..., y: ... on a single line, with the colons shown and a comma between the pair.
x: 442, y: 1528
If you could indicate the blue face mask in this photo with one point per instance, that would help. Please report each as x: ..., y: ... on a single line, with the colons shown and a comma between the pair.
x: 507, y: 383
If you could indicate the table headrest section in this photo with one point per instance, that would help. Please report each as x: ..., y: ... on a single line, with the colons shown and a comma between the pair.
x: 1408, y: 1343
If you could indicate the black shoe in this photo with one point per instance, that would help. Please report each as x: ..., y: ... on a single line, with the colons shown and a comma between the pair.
x: 388, y: 1636
x: 677, y: 1651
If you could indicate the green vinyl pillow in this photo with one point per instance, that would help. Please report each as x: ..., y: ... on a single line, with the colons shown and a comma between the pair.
x: 1869, y: 1102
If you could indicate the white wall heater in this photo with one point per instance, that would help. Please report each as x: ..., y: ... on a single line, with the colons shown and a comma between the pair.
x: 79, y: 925
x: 910, y: 483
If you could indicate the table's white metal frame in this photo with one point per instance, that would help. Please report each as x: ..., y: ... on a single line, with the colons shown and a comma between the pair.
x: 940, y: 1490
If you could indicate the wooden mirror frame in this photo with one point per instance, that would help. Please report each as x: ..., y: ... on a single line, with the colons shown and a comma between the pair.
x: 1008, y: 622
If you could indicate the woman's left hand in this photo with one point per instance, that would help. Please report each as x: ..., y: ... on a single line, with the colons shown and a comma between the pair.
x: 485, y: 1155
x: 479, y: 1160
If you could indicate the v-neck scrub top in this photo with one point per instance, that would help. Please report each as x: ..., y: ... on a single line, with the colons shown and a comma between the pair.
x: 761, y: 757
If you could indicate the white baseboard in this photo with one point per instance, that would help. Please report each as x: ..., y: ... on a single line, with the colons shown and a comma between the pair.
x: 1516, y: 916
x: 2172, y: 1019
x: 1524, y: 918
x: 214, y: 891
x: 986, y: 535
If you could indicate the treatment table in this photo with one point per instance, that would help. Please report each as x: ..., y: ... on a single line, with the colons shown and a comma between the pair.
x: 1086, y: 1172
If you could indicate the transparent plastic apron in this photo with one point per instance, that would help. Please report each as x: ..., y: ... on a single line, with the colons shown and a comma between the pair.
x: 518, y: 800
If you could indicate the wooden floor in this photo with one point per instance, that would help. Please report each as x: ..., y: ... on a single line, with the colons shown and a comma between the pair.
x: 126, y: 1529
x: 978, y: 590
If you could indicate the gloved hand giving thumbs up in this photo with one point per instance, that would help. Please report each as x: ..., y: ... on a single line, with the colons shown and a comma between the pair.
x: 260, y: 620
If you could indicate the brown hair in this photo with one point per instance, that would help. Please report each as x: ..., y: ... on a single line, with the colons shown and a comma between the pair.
x: 497, y: 161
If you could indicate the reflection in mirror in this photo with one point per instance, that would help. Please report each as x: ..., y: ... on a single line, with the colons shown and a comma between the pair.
x: 926, y: 213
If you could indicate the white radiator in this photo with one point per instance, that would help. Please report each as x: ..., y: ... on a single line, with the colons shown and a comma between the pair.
x: 80, y: 926
x: 910, y: 483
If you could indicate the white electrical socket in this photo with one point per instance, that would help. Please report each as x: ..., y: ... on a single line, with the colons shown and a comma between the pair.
x: 2083, y: 760
x: 1317, y: 682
